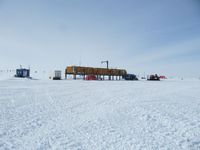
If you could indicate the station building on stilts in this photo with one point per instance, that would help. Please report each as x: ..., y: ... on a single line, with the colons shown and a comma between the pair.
x: 99, y: 73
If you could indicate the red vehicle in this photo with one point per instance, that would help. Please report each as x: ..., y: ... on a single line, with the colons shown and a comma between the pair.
x: 91, y: 77
x: 163, y: 77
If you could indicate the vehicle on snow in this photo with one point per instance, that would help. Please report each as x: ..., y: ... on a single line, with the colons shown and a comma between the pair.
x: 91, y: 77
x: 130, y: 77
x: 153, y: 78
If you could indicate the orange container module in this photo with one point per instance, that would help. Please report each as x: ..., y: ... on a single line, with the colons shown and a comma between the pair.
x: 80, y: 70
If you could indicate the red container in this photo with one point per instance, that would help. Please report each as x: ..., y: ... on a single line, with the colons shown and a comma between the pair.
x: 91, y: 77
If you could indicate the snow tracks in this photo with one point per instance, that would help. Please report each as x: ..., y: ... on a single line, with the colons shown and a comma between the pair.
x: 81, y: 115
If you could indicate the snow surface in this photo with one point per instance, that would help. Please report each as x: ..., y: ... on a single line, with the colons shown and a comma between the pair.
x: 99, y: 115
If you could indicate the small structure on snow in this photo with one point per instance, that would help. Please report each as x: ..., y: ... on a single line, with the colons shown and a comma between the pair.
x: 22, y: 73
x: 57, y: 75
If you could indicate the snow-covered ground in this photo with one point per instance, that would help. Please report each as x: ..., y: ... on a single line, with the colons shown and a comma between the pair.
x: 99, y: 115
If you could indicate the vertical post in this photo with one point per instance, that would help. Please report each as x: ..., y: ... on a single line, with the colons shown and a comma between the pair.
x: 107, y: 62
x: 84, y: 77
x: 66, y: 76
x: 74, y: 76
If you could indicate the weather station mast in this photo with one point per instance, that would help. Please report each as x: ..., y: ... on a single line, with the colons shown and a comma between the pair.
x: 107, y: 62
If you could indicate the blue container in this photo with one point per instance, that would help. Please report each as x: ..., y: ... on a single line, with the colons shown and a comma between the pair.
x: 22, y: 73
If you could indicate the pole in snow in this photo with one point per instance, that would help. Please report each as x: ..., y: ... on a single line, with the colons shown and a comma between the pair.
x: 107, y: 62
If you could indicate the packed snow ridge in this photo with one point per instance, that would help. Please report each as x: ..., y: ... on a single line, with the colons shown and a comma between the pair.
x: 99, y: 115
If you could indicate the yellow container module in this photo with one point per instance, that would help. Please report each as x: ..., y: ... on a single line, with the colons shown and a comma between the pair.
x: 80, y: 70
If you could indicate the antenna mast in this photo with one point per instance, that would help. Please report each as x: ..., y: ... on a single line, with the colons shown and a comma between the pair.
x: 107, y: 62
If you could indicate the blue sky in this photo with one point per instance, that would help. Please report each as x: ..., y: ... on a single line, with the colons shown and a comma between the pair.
x: 139, y: 35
